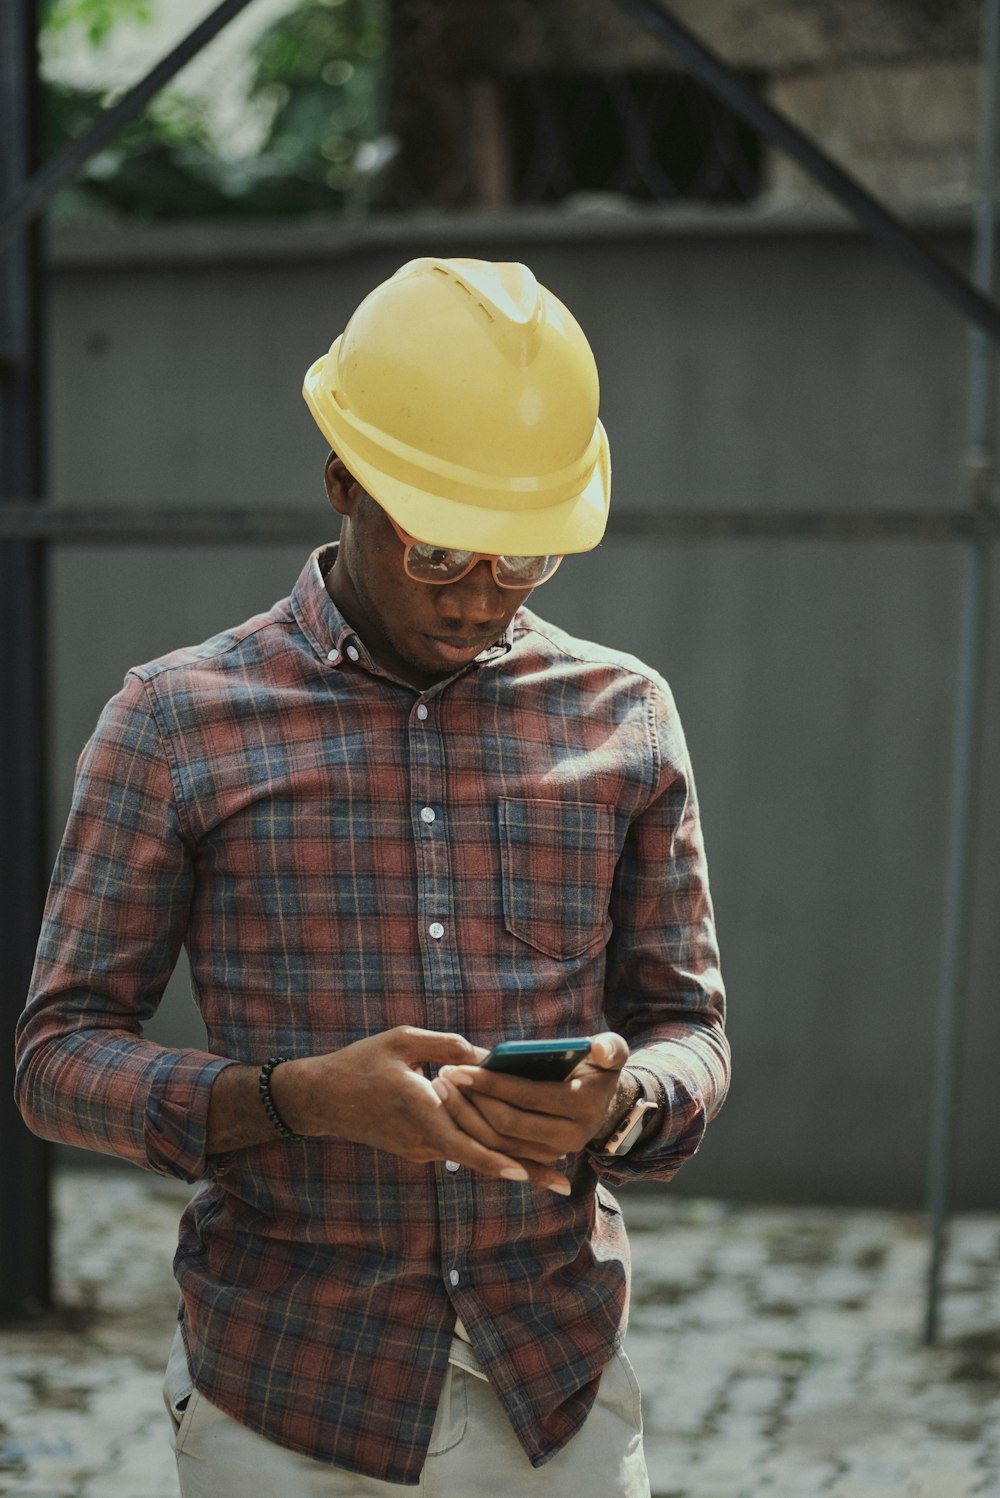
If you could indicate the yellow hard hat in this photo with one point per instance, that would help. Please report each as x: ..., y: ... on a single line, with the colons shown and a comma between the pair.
x: 463, y: 396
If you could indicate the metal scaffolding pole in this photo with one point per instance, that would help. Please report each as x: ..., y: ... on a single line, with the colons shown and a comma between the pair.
x: 25, y: 1250
x: 24, y: 1177
x: 980, y: 473
x: 291, y: 524
x: 23, y: 203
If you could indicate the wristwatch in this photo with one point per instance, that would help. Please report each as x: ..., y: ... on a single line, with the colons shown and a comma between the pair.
x: 625, y: 1133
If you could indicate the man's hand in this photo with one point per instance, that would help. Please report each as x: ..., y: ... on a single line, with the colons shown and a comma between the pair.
x: 373, y: 1092
x: 540, y: 1121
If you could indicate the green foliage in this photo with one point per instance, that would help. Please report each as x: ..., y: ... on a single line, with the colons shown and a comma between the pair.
x: 316, y: 76
x: 160, y: 166
x: 97, y: 18
x: 319, y: 69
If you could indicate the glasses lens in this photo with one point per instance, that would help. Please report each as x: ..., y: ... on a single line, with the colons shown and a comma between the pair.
x: 436, y: 564
x: 525, y: 572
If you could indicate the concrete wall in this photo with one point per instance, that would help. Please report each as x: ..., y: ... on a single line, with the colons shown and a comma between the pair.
x: 762, y: 365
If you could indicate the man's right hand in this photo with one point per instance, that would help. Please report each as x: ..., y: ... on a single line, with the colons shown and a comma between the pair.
x: 376, y: 1092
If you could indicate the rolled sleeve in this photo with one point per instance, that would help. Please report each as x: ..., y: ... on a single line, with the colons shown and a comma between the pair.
x: 113, y: 926
x: 664, y: 986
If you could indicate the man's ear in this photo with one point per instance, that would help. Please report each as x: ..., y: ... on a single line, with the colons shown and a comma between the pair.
x: 342, y: 489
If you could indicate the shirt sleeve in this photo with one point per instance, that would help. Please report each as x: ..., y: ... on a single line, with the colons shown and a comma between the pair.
x: 113, y: 926
x: 664, y: 989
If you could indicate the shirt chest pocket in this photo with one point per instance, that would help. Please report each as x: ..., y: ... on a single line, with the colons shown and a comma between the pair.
x: 558, y: 860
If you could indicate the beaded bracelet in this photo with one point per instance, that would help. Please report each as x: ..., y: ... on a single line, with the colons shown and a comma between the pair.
x: 264, y: 1083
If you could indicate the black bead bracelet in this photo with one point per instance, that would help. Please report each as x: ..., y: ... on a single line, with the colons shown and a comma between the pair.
x: 264, y: 1083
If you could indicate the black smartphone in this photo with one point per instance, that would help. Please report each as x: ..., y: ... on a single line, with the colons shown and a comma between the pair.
x: 539, y: 1060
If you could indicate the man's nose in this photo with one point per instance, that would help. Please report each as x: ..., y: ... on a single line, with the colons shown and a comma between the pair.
x: 473, y: 599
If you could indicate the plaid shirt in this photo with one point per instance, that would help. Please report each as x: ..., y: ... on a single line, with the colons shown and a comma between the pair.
x: 514, y: 852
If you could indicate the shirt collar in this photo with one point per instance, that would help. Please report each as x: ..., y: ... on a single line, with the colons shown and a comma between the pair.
x: 319, y: 618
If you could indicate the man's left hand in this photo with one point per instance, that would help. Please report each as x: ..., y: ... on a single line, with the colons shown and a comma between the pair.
x: 541, y: 1121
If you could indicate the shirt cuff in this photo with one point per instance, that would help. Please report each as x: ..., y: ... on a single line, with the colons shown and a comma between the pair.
x: 672, y: 1135
x: 175, y: 1127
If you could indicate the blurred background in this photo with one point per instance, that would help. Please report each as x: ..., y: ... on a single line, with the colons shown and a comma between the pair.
x: 760, y: 355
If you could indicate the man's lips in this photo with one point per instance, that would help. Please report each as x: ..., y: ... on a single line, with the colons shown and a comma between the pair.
x: 456, y: 646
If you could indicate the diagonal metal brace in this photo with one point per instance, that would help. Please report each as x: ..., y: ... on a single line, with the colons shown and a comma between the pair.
x: 31, y: 198
x: 778, y: 130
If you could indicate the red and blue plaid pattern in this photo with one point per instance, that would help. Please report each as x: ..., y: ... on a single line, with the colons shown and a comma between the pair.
x: 258, y: 799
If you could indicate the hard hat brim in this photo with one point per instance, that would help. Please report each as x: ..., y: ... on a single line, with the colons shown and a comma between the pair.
x: 574, y: 524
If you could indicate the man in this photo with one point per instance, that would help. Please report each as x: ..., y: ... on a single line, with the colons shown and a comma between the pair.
x: 395, y: 820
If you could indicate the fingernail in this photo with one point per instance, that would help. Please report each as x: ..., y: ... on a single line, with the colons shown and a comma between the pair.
x: 514, y: 1173
x: 561, y: 1188
x: 455, y: 1076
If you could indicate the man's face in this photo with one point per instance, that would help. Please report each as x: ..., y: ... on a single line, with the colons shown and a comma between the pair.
x: 421, y: 632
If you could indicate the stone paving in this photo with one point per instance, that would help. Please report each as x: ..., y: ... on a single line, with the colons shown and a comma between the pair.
x: 778, y: 1349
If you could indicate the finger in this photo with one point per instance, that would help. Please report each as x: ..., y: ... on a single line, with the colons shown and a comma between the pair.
x: 526, y: 1135
x: 473, y: 1130
x: 522, y: 1092
x: 455, y: 1144
x: 439, y: 1046
x: 523, y: 1171
x: 542, y: 1136
x: 552, y: 1099
x: 608, y: 1051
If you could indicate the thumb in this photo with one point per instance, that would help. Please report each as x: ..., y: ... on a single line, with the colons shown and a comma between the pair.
x: 608, y: 1051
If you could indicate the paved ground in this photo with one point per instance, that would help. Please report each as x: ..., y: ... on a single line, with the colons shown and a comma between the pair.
x: 778, y: 1352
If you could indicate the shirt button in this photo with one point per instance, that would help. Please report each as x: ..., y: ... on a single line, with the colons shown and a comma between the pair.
x: 421, y: 712
x: 454, y: 1277
x: 452, y: 1165
x: 436, y: 930
x: 427, y: 815
x: 333, y: 655
x: 354, y: 652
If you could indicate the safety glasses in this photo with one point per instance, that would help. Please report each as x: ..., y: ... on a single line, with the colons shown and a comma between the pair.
x: 426, y: 563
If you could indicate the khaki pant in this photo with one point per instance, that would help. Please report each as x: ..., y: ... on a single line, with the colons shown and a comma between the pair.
x: 473, y: 1452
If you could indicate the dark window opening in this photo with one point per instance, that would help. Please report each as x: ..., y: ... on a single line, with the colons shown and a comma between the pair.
x: 648, y: 136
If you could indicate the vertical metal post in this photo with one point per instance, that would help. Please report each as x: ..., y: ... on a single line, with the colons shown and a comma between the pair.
x: 980, y: 474
x: 24, y: 1185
